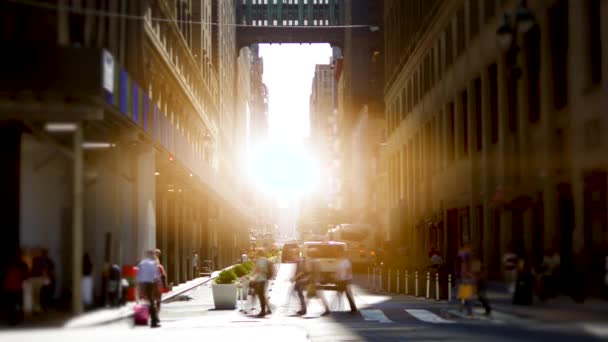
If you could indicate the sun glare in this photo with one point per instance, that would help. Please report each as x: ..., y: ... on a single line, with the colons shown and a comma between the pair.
x: 285, y: 170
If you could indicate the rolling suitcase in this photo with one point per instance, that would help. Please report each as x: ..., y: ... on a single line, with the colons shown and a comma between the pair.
x: 142, y: 314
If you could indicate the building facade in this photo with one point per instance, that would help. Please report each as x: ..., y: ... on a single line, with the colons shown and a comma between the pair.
x: 499, y: 148
x: 135, y: 163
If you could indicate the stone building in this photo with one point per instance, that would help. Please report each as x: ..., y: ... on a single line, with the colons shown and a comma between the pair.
x: 495, y: 128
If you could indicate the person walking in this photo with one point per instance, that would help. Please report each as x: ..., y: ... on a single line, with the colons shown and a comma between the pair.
x: 87, y: 281
x: 466, y: 280
x: 312, y: 290
x: 479, y: 275
x: 147, y: 278
x: 300, y: 280
x: 195, y: 266
x: 260, y: 279
x: 161, y: 283
x: 524, y: 288
x: 12, y: 285
x: 344, y: 278
x: 509, y: 261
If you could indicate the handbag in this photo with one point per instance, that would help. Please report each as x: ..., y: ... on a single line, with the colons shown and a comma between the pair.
x: 465, y: 291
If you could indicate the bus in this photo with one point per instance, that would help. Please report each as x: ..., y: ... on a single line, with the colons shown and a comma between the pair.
x: 359, y: 239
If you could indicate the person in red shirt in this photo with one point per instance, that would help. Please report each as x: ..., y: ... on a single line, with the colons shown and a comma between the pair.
x: 12, y: 284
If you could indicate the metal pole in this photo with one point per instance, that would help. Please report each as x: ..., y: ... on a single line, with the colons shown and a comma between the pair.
x: 416, y: 284
x: 407, y: 283
x: 436, y: 286
x: 398, y: 283
x: 77, y: 219
x: 388, y: 286
x: 428, y: 285
x: 449, y: 287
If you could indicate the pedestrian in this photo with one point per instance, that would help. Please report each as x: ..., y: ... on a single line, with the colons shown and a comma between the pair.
x: 300, y: 280
x: 147, y: 278
x: 344, y: 278
x: 87, y: 281
x: 479, y: 274
x: 509, y: 261
x: 47, y: 291
x: 39, y: 278
x: 466, y: 280
x: 524, y: 287
x: 195, y: 266
x: 312, y: 290
x: 244, y: 257
x: 161, y: 283
x: 260, y: 280
x: 549, y: 274
x: 12, y: 285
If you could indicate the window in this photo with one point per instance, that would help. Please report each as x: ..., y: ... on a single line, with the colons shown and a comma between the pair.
x: 477, y: 111
x: 449, y: 47
x: 451, y: 135
x: 595, y: 40
x: 558, y: 30
x: 474, y: 17
x: 461, y: 38
x: 533, y: 60
x: 465, y: 122
x: 493, y: 79
x: 489, y: 10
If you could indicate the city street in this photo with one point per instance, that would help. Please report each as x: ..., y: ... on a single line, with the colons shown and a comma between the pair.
x: 381, y: 318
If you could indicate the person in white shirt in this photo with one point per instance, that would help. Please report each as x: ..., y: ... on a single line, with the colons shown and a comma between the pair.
x: 147, y: 278
x: 195, y: 266
x: 344, y: 278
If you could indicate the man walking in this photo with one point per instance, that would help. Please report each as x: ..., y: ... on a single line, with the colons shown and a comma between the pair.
x: 195, y: 266
x: 344, y: 278
x: 260, y: 278
x: 147, y: 277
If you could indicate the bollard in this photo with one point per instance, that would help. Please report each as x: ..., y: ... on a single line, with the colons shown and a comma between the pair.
x: 388, y: 286
x: 436, y: 286
x: 416, y: 283
x: 407, y: 283
x: 428, y: 285
x: 398, y: 283
x: 449, y: 287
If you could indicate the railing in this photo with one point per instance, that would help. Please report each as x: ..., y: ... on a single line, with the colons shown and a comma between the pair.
x: 427, y: 284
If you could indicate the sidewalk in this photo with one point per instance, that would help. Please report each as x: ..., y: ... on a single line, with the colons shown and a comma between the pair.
x: 109, y: 315
x: 559, y: 310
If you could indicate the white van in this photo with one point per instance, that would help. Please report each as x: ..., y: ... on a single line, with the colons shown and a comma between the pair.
x: 326, y: 253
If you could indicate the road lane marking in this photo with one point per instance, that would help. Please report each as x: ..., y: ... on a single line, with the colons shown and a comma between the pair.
x: 427, y: 316
x: 375, y: 315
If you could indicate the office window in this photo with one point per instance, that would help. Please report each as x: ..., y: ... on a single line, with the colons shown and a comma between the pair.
x: 474, y: 17
x: 595, y: 40
x: 477, y: 113
x: 533, y: 60
x: 489, y: 10
x: 451, y: 132
x: 558, y: 31
x: 493, y: 79
x: 449, y: 47
x: 465, y: 122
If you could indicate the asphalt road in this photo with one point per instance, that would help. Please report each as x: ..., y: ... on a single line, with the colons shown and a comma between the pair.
x: 381, y: 318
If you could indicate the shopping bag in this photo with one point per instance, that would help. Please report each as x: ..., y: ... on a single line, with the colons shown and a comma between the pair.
x: 465, y: 291
x: 142, y: 314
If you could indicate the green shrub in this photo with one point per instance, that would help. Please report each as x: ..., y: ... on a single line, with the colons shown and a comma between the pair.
x: 240, y: 270
x: 249, y: 265
x: 226, y: 277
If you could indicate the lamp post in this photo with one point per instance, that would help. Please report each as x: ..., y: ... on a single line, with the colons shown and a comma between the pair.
x: 519, y: 21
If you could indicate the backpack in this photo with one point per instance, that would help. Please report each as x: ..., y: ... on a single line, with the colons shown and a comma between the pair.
x: 269, y: 270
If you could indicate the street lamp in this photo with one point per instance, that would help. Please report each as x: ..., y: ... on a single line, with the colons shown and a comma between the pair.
x: 521, y: 21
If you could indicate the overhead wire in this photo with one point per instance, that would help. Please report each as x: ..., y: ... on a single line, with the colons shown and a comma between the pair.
x: 108, y: 14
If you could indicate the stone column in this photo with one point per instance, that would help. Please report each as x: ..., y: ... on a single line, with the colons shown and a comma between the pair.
x: 504, y: 165
x: 177, y: 217
x: 146, y: 199
x: 487, y: 169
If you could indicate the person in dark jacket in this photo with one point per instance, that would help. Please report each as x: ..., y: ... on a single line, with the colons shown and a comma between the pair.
x: 12, y: 285
x: 524, y: 286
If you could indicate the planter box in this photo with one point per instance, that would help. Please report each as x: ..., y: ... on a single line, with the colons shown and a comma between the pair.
x: 224, y: 296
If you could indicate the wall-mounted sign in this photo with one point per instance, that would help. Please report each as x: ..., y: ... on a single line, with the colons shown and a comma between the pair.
x: 108, y: 71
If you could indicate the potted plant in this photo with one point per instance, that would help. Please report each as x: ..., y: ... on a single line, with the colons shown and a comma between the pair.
x: 224, y: 290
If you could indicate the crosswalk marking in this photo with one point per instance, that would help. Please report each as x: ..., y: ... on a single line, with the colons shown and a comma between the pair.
x: 427, y: 316
x: 375, y: 315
